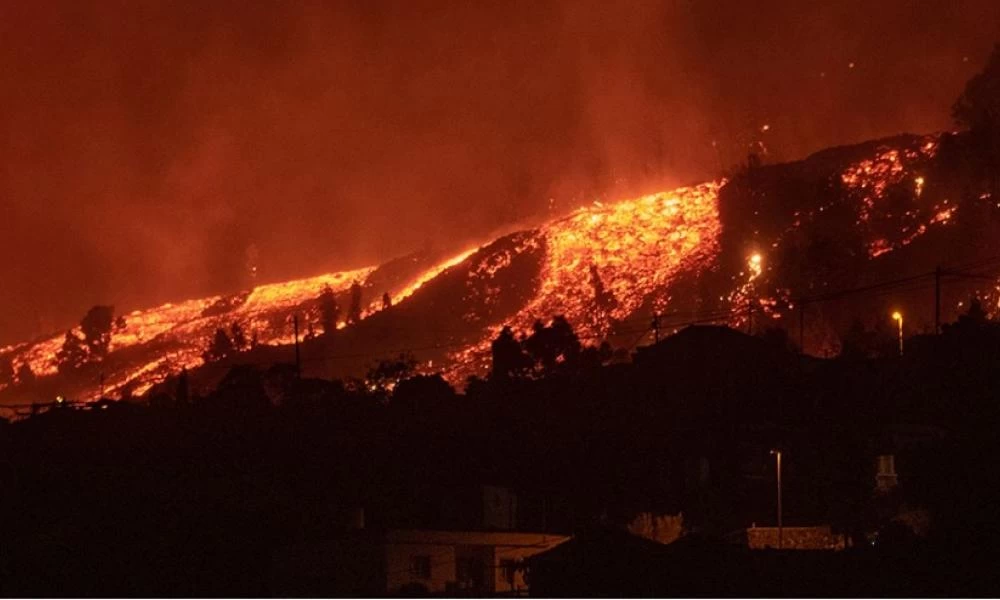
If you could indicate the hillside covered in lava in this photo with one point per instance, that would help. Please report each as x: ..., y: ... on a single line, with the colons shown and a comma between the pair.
x: 769, y: 247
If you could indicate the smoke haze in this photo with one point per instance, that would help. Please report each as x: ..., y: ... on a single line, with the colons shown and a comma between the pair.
x: 146, y: 146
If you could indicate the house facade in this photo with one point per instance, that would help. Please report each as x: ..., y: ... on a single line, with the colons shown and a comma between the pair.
x: 412, y: 561
x: 467, y: 561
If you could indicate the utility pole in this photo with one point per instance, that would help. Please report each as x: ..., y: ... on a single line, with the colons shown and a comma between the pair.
x: 937, y: 300
x: 750, y: 315
x: 298, y: 361
x: 802, y: 327
x: 656, y: 327
x: 777, y: 456
x: 898, y: 317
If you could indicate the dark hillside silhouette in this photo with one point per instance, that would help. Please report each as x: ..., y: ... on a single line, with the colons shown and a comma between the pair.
x: 211, y: 484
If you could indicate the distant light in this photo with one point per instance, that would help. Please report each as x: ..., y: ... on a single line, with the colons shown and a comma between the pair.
x: 755, y: 259
x: 765, y: 128
x: 850, y: 65
x: 897, y: 316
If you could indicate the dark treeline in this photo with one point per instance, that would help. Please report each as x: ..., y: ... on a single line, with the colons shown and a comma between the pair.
x: 190, y: 495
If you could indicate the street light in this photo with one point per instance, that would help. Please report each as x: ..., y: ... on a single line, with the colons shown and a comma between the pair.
x: 777, y: 456
x: 898, y: 317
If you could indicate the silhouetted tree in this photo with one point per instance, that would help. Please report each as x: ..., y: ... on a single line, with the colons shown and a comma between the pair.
x: 183, y: 393
x: 328, y: 310
x: 239, y: 338
x: 354, y: 312
x: 861, y: 342
x: 592, y: 357
x: 604, y: 299
x: 421, y: 392
x: 978, y: 109
x: 856, y: 342
x: 384, y: 375
x: 975, y: 316
x: 127, y: 392
x: 509, y: 358
x: 973, y: 325
x: 777, y: 337
x: 386, y: 301
x: 25, y: 376
x: 72, y: 355
x: 97, y: 327
x: 219, y: 347
x: 554, y: 346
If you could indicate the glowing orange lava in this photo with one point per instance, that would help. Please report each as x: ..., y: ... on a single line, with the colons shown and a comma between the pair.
x: 601, y: 267
x: 631, y: 250
x: 871, y: 180
x: 183, y: 328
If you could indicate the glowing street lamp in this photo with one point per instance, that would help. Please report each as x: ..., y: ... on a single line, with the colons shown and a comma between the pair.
x: 777, y: 456
x: 898, y: 317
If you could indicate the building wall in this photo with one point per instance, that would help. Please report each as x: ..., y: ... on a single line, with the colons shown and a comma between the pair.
x: 399, y: 565
x: 516, y: 554
x: 795, y: 538
x: 443, y: 549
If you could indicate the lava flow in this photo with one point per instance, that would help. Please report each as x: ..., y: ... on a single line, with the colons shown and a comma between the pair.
x: 606, y: 268
x: 871, y: 180
x: 177, y: 333
x: 604, y: 262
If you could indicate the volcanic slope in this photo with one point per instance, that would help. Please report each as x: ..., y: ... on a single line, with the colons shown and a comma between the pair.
x: 745, y: 247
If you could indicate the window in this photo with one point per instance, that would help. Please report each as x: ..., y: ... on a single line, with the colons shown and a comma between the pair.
x: 420, y: 566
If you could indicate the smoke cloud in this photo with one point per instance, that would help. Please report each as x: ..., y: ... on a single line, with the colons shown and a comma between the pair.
x: 146, y: 146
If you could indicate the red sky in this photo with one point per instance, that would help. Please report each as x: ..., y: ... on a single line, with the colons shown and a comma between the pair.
x: 146, y: 145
